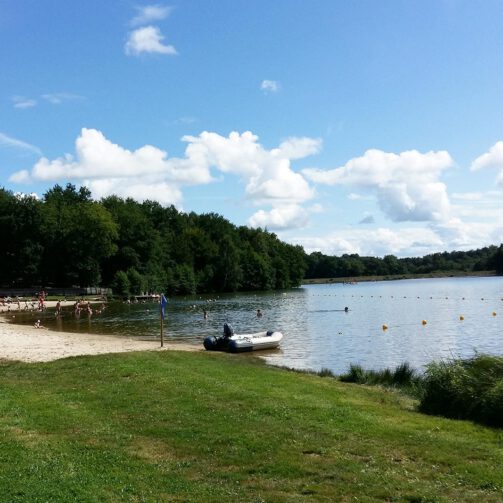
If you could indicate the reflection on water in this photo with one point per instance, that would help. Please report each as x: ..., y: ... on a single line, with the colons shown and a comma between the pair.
x: 317, y: 332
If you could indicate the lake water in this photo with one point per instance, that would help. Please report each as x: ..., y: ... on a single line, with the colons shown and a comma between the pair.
x: 318, y: 333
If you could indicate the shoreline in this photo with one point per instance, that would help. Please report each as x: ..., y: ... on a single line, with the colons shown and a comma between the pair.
x: 395, y: 277
x: 28, y: 344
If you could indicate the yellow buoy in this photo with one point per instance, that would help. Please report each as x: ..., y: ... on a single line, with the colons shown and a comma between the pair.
x: 461, y: 317
x: 385, y: 327
x: 424, y: 322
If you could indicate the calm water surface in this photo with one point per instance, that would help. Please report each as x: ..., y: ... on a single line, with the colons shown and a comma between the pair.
x: 317, y: 332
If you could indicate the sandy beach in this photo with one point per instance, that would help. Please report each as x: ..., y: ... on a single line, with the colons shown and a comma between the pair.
x: 29, y: 344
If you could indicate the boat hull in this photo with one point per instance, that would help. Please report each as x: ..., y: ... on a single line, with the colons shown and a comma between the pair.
x: 254, y: 342
x: 241, y: 343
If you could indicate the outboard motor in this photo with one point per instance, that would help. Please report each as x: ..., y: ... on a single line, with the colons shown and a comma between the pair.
x: 212, y: 343
x: 228, y: 331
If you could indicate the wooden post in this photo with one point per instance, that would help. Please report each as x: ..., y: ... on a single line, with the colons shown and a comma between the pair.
x: 162, y: 335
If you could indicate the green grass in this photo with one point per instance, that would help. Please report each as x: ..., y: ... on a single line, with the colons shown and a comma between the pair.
x: 205, y: 427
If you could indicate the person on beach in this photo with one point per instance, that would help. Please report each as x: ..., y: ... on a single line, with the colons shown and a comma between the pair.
x: 38, y: 325
x: 58, y: 308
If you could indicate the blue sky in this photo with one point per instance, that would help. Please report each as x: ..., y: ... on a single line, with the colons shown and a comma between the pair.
x: 370, y: 127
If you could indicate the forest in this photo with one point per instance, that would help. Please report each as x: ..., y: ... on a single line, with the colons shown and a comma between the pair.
x: 352, y: 266
x: 68, y: 239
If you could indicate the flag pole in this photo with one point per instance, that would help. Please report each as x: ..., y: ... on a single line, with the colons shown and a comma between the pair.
x: 162, y: 310
x: 162, y: 338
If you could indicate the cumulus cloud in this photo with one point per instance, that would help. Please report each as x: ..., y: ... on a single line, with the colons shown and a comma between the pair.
x: 298, y: 148
x: 375, y: 242
x: 147, y: 39
x: 407, y: 185
x: 108, y: 168
x: 149, y: 13
x: 457, y: 234
x: 268, y: 174
x: 491, y: 159
x: 269, y: 86
x: 280, y: 218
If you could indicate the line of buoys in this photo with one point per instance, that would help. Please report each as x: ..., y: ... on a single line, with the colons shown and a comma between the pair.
x: 424, y: 322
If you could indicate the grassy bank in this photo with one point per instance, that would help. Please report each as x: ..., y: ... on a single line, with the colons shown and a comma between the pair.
x: 391, y: 277
x: 173, y: 426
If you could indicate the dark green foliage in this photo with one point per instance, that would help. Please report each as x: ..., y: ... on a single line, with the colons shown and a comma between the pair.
x: 324, y: 372
x: 465, y: 389
x: 323, y: 266
x: 121, y: 284
x: 402, y: 377
x: 69, y: 239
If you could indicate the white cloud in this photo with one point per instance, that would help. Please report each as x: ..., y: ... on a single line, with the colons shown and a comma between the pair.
x: 457, y: 234
x: 10, y: 142
x: 58, y: 98
x: 298, y: 148
x: 280, y: 218
x: 375, y: 242
x: 491, y: 159
x: 268, y: 174
x: 407, y: 185
x: 467, y: 196
x: 147, y: 39
x: 269, y: 86
x: 22, y: 176
x: 150, y: 13
x: 23, y: 103
x: 107, y: 168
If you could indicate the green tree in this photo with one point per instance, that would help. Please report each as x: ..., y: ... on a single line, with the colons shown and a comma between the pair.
x: 121, y: 285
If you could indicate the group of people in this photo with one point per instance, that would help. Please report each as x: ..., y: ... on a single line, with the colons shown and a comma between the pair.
x: 10, y: 303
x: 83, y: 306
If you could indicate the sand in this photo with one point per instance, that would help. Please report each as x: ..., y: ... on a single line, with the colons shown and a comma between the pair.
x: 29, y: 344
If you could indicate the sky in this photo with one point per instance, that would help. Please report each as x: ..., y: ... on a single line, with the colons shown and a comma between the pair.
x: 362, y: 126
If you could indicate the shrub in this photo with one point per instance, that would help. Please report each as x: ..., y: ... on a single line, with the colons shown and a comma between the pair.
x: 402, y: 377
x: 465, y: 389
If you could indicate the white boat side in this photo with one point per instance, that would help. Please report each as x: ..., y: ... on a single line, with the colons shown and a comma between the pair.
x: 254, y: 342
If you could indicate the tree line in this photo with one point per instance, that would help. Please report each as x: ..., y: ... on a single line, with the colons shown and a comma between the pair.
x: 68, y: 239
x: 352, y: 266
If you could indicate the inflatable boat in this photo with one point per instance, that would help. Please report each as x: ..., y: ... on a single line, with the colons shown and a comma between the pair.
x: 239, y: 343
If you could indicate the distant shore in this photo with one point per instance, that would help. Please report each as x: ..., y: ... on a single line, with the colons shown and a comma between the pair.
x: 29, y: 344
x: 394, y: 277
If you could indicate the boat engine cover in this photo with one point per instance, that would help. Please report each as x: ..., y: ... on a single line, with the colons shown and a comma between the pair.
x: 210, y: 343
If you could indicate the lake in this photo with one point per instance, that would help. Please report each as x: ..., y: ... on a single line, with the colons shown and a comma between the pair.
x: 318, y: 333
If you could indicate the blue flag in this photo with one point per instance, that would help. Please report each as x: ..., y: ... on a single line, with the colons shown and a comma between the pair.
x: 164, y: 303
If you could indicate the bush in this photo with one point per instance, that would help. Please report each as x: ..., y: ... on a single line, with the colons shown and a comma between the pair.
x: 402, y: 377
x: 465, y: 389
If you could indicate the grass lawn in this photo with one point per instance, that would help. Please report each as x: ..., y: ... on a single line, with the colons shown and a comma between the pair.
x: 210, y: 427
